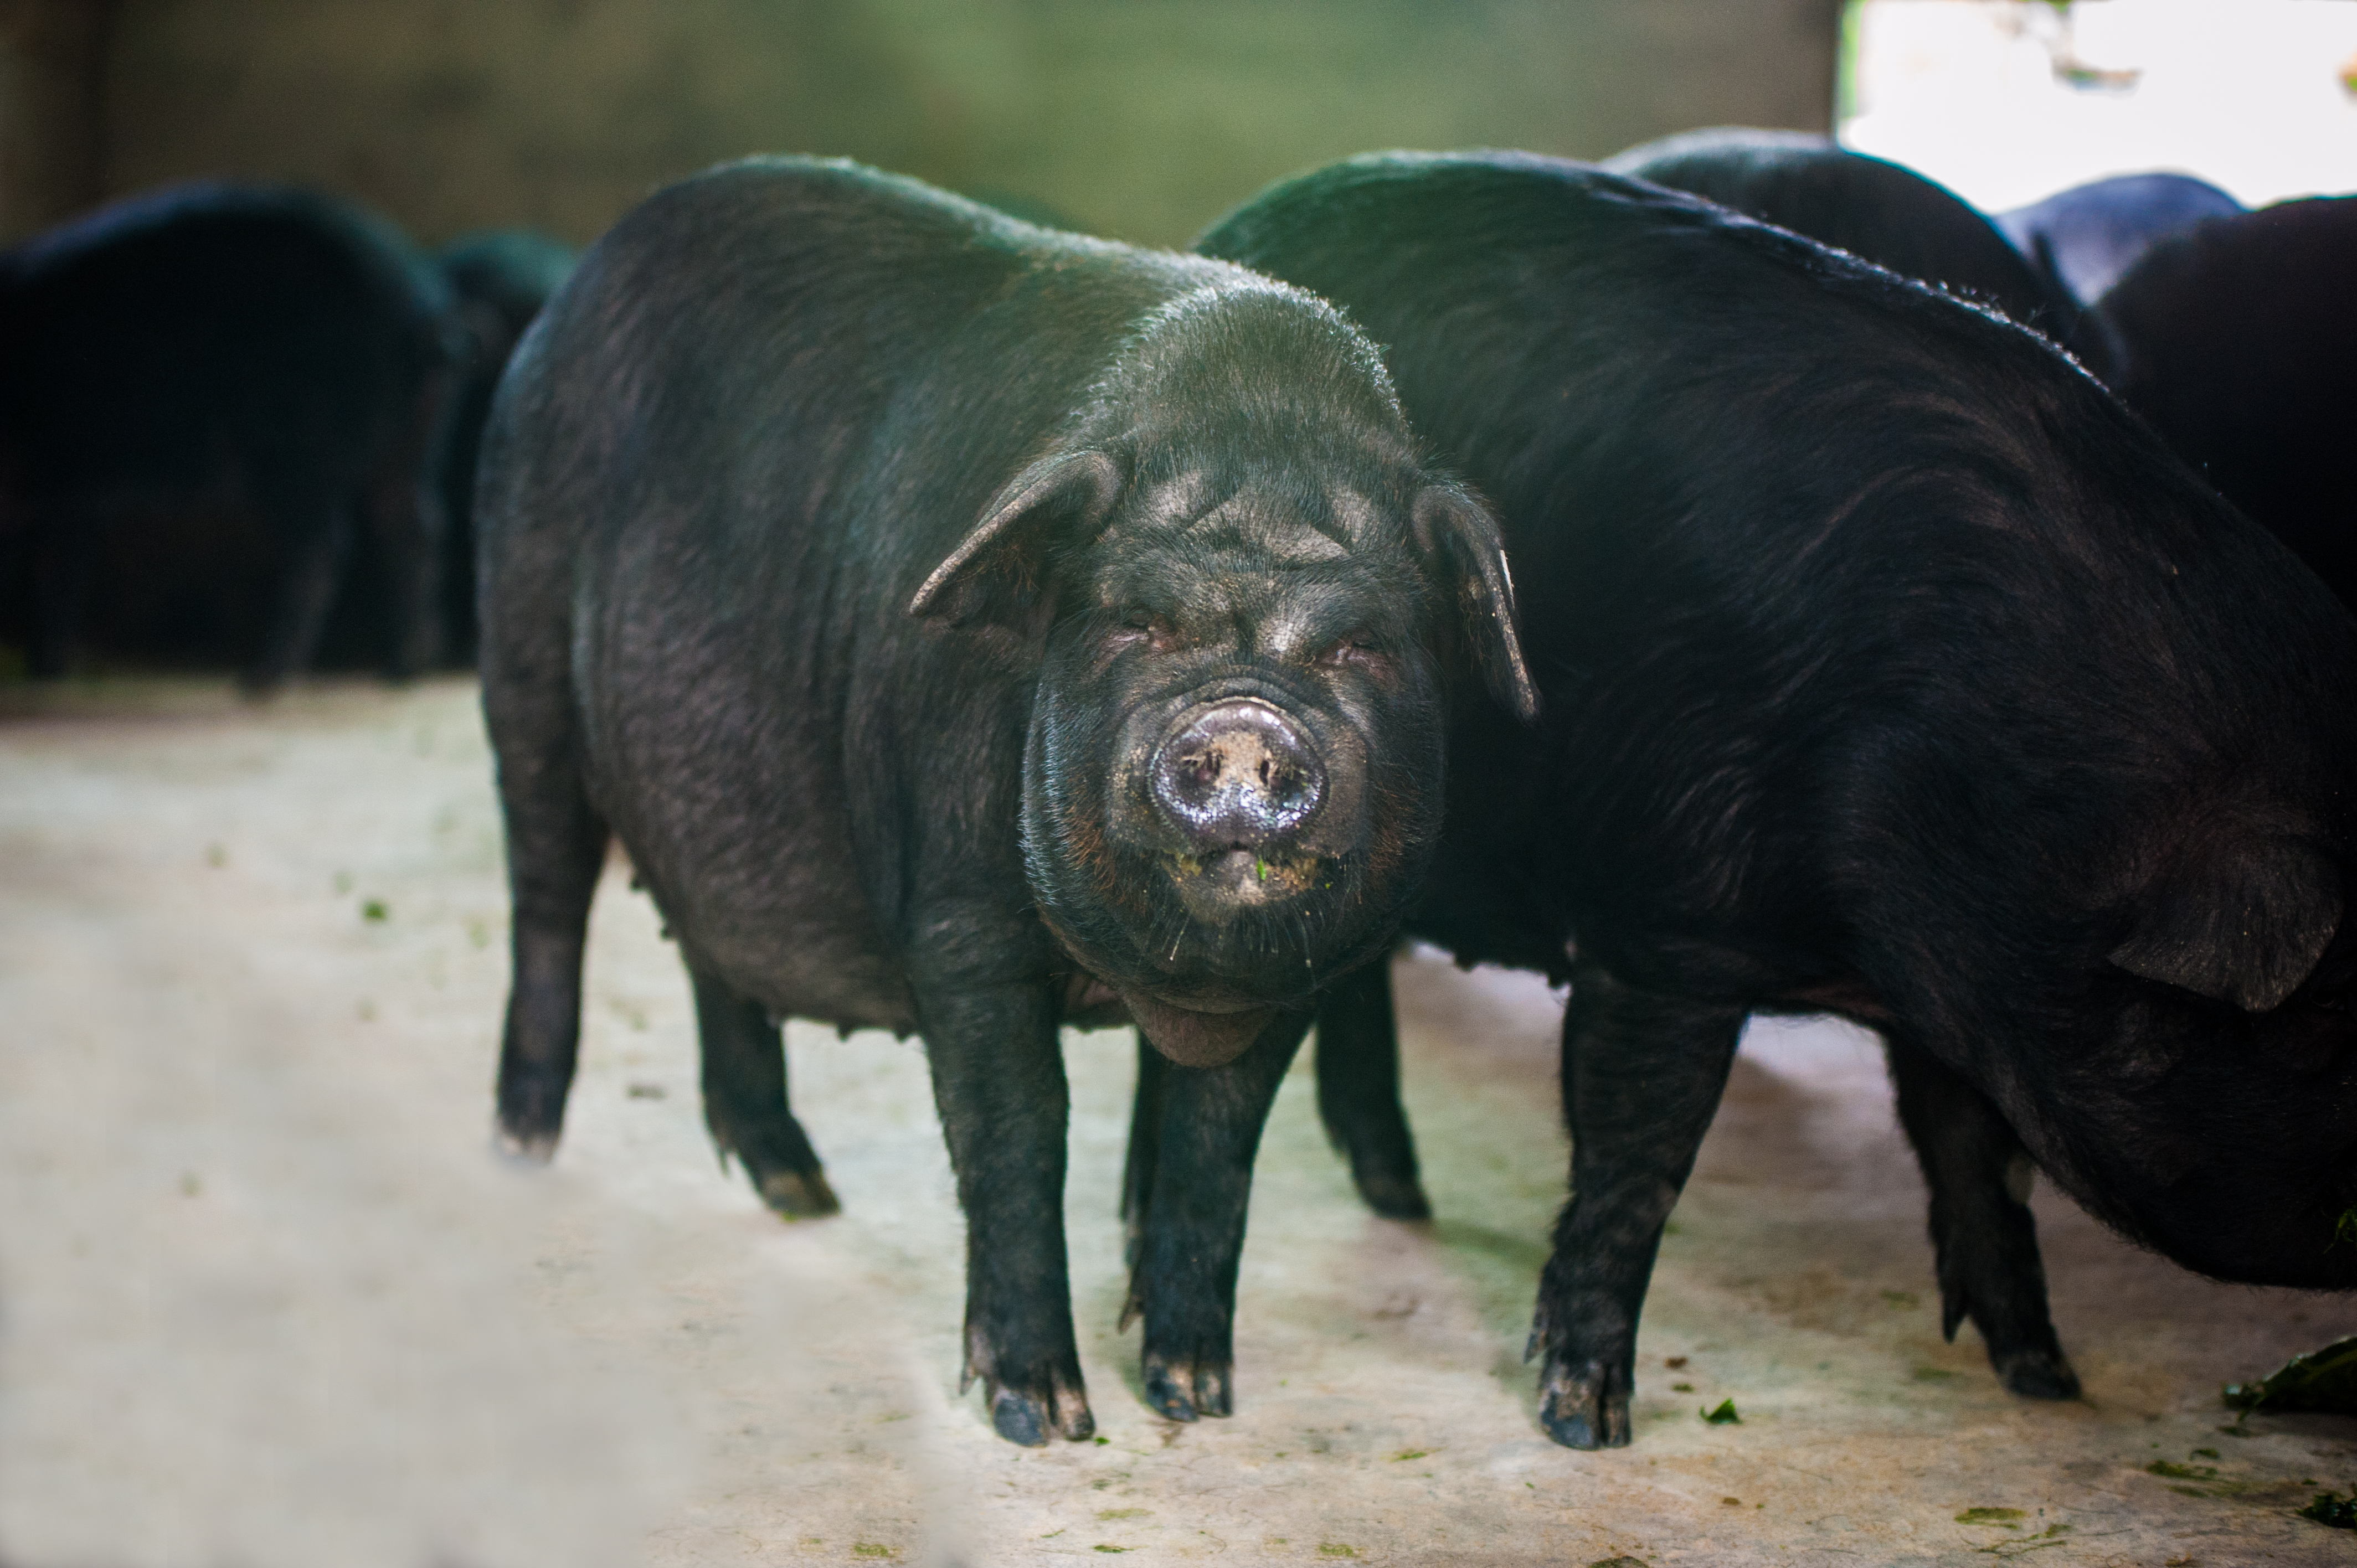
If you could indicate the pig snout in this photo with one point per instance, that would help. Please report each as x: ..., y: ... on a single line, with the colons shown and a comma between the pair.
x: 1239, y: 776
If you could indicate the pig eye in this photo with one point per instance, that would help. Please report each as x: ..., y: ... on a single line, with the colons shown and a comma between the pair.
x: 1358, y: 647
x: 1140, y: 622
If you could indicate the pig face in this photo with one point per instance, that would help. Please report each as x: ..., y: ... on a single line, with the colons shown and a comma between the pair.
x: 2169, y: 1021
x: 1233, y: 776
x: 2214, y: 1116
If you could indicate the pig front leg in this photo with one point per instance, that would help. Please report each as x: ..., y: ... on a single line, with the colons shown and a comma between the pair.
x: 998, y: 1082
x: 1983, y: 1234
x: 1184, y: 1278
x: 1359, y: 1092
x: 1642, y: 1075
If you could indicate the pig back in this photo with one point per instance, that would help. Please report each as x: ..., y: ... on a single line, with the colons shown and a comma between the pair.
x: 1835, y: 584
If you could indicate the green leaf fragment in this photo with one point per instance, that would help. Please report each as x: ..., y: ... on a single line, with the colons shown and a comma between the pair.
x: 2322, y: 1379
x: 1723, y: 1416
x: 2332, y: 1510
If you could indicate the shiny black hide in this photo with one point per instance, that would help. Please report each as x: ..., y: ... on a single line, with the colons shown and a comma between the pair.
x: 968, y: 629
x: 2239, y: 344
x: 1872, y: 207
x: 2086, y: 238
x: 1890, y: 669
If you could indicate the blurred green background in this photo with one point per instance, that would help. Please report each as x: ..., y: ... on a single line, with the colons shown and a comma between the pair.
x: 1142, y: 119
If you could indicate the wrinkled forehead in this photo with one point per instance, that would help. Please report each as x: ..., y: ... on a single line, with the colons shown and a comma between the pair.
x: 1293, y: 522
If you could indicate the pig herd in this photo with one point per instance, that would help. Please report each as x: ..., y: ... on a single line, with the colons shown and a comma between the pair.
x: 238, y: 423
x: 1739, y: 577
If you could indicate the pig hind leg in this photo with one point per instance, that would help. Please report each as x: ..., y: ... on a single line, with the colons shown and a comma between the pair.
x: 556, y: 850
x: 1642, y: 1075
x: 1983, y: 1234
x: 745, y: 1102
x: 1359, y: 1092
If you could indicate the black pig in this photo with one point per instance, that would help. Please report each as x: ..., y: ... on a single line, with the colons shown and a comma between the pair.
x: 1892, y: 669
x: 500, y: 278
x: 2086, y: 237
x: 2239, y: 343
x: 969, y: 628
x: 216, y: 349
x: 1872, y: 207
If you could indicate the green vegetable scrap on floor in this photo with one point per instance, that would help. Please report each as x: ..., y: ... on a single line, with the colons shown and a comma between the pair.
x: 2332, y: 1508
x: 2323, y: 1379
x: 1722, y: 1415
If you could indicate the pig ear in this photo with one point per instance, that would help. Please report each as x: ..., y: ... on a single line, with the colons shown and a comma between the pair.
x: 2244, y: 924
x: 997, y: 564
x: 1459, y: 536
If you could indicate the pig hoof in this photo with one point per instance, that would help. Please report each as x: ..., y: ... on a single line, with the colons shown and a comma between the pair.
x: 1030, y: 1420
x: 1020, y: 1418
x: 2037, y: 1375
x: 800, y: 1194
x: 1183, y: 1391
x: 1582, y: 1412
x: 1394, y: 1197
x: 523, y: 1148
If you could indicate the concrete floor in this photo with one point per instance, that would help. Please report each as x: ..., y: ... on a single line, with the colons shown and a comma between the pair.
x: 266, y: 1298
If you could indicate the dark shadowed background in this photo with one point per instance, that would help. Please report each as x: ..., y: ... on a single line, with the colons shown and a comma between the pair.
x: 1142, y: 119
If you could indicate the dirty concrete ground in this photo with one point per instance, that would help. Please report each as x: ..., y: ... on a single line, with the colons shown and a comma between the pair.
x: 266, y: 1298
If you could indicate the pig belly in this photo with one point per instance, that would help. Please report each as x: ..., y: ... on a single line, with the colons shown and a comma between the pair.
x: 726, y: 801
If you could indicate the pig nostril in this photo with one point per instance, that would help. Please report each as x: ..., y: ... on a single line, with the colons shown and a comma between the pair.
x: 1237, y: 775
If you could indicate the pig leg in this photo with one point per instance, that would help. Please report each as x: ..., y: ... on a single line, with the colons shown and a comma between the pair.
x: 1642, y: 1075
x: 1982, y: 1230
x: 556, y: 848
x: 1359, y: 1092
x: 745, y: 1102
x: 998, y: 1082
x: 64, y: 557
x: 405, y: 526
x: 1185, y: 1278
x: 407, y: 523
x: 311, y: 563
x: 1154, y: 1070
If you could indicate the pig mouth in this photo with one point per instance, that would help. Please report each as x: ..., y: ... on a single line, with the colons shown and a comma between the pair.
x: 1215, y: 884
